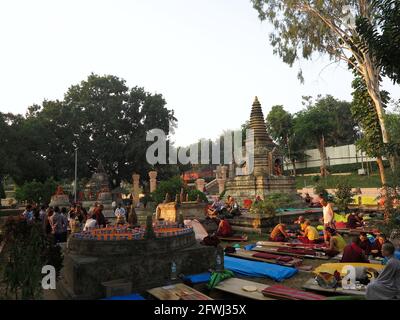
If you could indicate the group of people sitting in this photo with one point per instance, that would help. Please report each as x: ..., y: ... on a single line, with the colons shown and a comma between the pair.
x: 228, y: 209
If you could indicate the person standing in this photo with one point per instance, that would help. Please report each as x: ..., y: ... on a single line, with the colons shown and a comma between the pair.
x: 327, y: 217
x: 28, y: 213
x: 57, y: 222
x: 90, y: 223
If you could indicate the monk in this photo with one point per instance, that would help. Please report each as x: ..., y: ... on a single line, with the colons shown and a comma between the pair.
x: 365, y: 244
x: 336, y: 242
x: 279, y: 233
x: 353, y: 253
x: 353, y: 221
x: 301, y: 222
x: 376, y: 247
x: 224, y: 228
x: 311, y: 234
x: 387, y: 285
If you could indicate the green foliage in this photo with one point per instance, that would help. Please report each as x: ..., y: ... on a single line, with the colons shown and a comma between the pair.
x: 363, y: 112
x: 27, y: 250
x: 281, y: 200
x: 172, y: 186
x: 100, y: 116
x: 382, y: 36
x: 35, y: 191
x: 194, y: 193
x: 265, y: 207
x: 343, y: 196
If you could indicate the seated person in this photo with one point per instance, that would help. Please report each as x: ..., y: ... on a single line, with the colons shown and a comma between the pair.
x: 353, y: 253
x: 217, y: 207
x: 233, y: 208
x: 279, y: 233
x: 311, y: 234
x: 353, y: 221
x: 376, y: 247
x: 301, y: 224
x: 224, y: 228
x: 91, y: 222
x: 365, y: 244
x: 258, y: 199
x: 387, y: 284
x: 336, y: 243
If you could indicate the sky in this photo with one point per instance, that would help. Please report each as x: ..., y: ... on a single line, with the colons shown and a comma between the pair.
x: 208, y: 58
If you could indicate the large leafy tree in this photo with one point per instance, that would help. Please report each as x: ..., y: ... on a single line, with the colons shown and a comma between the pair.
x: 382, y: 36
x: 280, y: 126
x: 325, y: 122
x: 371, y: 136
x: 305, y: 27
x: 101, y: 117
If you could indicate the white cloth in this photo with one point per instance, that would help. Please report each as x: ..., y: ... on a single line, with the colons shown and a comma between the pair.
x: 120, y: 212
x: 327, y: 214
x: 90, y: 224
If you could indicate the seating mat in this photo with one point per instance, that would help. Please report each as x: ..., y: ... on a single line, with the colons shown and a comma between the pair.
x: 266, y: 255
x: 283, y: 292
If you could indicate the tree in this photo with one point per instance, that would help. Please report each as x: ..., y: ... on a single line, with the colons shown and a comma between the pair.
x: 280, y: 126
x: 382, y: 36
x: 324, y: 123
x: 343, y: 196
x: 304, y: 27
x: 101, y: 117
x: 36, y: 191
x: 371, y: 136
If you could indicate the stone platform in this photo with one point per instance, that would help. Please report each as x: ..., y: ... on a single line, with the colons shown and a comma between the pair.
x: 142, y: 263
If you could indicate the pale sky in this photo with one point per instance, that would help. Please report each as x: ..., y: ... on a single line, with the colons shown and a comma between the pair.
x: 208, y: 58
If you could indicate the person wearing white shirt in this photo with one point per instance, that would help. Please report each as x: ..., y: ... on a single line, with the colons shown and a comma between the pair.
x: 120, y: 214
x: 328, y: 216
x: 91, y: 223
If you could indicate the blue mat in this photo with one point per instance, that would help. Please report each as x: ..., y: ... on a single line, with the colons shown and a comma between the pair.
x: 250, y: 246
x: 133, y: 296
x: 258, y: 269
x: 198, y: 278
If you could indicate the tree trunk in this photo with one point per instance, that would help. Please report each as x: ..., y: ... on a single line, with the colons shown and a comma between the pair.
x: 321, y: 149
x: 294, y: 167
x: 370, y: 74
x: 381, y: 170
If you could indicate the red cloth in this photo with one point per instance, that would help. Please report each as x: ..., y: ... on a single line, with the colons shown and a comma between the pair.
x: 341, y: 225
x: 353, y: 253
x: 224, y: 229
x: 271, y: 256
x: 297, y: 251
x: 284, y: 292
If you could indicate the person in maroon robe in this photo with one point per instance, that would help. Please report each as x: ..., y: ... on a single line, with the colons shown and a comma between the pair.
x: 224, y: 228
x: 365, y: 244
x: 353, y: 253
x: 376, y: 247
x: 353, y: 221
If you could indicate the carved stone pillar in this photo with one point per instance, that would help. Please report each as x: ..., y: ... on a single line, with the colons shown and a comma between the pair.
x: 135, y: 187
x: 200, y: 183
x: 153, y: 180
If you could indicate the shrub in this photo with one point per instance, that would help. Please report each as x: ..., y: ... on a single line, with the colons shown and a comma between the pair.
x: 35, y: 191
x: 194, y: 193
x: 343, y: 196
x: 266, y: 207
x: 27, y: 250
x: 172, y: 186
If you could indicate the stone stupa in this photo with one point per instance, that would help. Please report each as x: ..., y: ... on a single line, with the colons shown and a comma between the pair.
x: 263, y: 179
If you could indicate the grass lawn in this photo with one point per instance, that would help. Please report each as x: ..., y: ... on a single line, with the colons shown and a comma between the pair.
x: 355, y: 180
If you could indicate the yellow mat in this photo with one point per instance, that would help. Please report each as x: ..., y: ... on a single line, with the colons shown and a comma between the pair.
x: 332, y: 267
